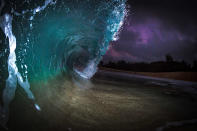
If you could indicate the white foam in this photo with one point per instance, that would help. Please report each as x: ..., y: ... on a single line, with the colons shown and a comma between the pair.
x: 89, y: 71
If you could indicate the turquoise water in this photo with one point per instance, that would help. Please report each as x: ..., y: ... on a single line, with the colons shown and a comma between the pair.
x: 47, y: 38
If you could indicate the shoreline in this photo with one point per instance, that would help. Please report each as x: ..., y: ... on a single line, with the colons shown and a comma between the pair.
x: 185, y: 76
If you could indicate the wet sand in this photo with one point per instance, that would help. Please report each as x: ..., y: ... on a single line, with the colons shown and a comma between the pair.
x: 185, y: 76
x: 109, y: 102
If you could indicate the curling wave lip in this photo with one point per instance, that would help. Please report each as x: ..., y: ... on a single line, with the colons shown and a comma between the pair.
x: 88, y: 72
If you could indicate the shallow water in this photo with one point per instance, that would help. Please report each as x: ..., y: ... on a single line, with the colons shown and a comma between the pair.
x: 103, y: 103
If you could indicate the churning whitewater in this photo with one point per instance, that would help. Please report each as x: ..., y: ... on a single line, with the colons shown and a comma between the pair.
x: 43, y: 39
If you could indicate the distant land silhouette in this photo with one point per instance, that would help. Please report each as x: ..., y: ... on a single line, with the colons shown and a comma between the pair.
x: 169, y: 65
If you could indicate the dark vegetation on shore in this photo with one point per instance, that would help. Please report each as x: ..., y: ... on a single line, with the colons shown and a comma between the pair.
x: 159, y: 66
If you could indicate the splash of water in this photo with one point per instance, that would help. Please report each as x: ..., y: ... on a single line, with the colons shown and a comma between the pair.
x: 58, y: 37
x: 14, y: 75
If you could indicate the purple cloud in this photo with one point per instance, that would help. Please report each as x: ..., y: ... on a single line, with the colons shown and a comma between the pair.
x: 150, y: 39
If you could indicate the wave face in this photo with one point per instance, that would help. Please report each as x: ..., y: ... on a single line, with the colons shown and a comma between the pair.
x: 66, y: 36
x: 43, y: 39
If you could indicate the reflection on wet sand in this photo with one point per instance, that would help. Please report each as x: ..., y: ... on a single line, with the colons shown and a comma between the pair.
x: 101, y: 104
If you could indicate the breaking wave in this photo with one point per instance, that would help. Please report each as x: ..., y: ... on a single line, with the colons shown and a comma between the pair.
x: 40, y: 40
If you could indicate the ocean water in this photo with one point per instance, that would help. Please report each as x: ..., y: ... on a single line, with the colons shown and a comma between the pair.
x: 40, y: 40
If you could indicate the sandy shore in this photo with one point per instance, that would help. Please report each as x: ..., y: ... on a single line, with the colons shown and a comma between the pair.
x: 186, y: 76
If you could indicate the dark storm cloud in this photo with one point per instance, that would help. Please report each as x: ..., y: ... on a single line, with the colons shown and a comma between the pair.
x: 179, y: 12
x: 156, y: 28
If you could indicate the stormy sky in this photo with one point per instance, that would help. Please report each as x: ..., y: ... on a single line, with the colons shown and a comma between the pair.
x: 155, y: 28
